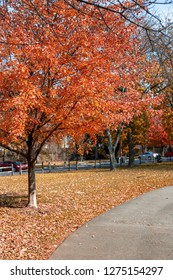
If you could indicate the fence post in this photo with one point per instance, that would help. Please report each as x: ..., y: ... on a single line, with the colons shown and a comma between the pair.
x: 77, y: 164
x: 20, y: 169
x: 69, y: 165
x: 12, y: 170
x: 49, y: 167
x: 42, y: 167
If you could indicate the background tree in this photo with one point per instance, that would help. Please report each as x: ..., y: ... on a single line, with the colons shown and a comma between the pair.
x: 144, y: 14
x: 140, y: 127
x: 161, y: 47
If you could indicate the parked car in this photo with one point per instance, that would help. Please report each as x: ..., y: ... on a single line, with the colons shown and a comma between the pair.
x: 5, y: 166
x: 168, y: 154
x: 16, y: 165
x: 149, y: 156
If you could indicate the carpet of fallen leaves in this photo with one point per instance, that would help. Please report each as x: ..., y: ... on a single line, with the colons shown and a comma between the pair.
x: 65, y: 202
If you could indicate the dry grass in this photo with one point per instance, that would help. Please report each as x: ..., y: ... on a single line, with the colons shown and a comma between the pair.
x: 66, y: 201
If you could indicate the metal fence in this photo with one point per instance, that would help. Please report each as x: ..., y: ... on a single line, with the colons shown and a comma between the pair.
x: 48, y: 167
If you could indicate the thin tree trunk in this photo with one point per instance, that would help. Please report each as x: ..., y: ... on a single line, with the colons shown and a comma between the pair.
x: 31, y: 158
x: 117, y: 138
x: 32, y: 200
x: 131, y: 149
x: 112, y: 147
x: 111, y: 151
x: 112, y: 161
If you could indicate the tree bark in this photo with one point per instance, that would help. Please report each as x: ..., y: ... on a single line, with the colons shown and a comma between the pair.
x: 111, y: 151
x: 112, y: 161
x: 32, y: 200
x: 112, y: 147
x: 131, y: 149
x: 31, y: 158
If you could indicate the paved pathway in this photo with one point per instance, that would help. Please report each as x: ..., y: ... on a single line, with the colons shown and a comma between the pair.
x: 139, y: 229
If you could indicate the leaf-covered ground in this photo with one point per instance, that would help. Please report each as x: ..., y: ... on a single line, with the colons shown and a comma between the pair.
x: 66, y: 201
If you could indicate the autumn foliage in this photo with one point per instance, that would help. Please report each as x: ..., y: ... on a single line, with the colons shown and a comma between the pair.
x: 65, y: 72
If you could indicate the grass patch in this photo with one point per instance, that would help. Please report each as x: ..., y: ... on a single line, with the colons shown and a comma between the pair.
x: 66, y: 201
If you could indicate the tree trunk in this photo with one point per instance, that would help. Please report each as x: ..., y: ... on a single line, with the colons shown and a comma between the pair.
x: 111, y: 151
x: 117, y: 138
x: 131, y: 149
x: 31, y: 158
x: 32, y: 200
x: 96, y: 152
x: 112, y: 161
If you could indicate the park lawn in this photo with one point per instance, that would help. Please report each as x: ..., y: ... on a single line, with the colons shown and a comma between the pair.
x: 65, y: 202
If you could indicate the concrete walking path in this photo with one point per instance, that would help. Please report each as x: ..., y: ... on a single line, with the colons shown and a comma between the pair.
x: 140, y: 229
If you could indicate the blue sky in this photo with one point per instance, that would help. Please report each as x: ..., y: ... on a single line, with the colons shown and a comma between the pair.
x: 164, y: 10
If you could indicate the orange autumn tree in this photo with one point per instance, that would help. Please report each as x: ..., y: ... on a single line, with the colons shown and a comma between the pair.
x: 54, y: 63
x: 157, y: 136
x: 58, y: 72
x: 134, y: 95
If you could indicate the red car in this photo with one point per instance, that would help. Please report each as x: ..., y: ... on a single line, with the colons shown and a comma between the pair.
x: 169, y: 154
x: 7, y: 166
